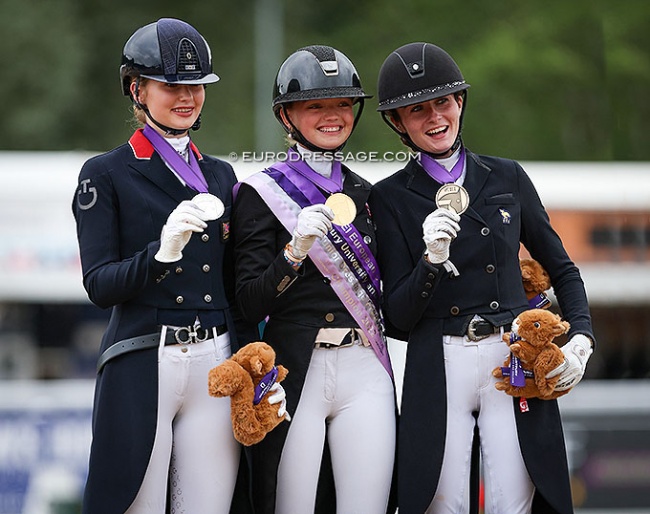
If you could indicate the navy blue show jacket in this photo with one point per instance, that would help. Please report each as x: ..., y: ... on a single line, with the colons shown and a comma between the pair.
x: 121, y: 203
x: 422, y: 302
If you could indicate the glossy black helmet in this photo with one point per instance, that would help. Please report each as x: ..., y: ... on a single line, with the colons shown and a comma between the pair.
x: 316, y: 72
x: 313, y: 73
x: 168, y: 50
x: 415, y: 73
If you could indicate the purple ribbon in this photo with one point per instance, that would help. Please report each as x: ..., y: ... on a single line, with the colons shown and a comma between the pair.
x: 516, y: 370
x: 265, y: 385
x: 347, y: 240
x: 333, y: 184
x: 285, y: 200
x: 190, y: 173
x: 539, y: 302
x: 438, y: 172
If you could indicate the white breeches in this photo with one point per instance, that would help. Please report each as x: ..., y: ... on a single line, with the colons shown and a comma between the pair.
x: 349, y: 396
x: 194, y: 451
x: 470, y: 388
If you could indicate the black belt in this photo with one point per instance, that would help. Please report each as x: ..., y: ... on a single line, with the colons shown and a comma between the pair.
x: 181, y: 335
x: 480, y: 329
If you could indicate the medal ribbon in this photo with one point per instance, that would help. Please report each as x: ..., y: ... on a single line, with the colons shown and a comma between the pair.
x: 190, y: 173
x: 265, y: 385
x: 329, y: 261
x: 347, y: 239
x: 438, y: 172
x: 334, y: 184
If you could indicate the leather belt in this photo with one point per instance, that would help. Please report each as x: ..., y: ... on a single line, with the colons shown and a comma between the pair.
x: 350, y: 339
x: 480, y: 329
x: 180, y: 335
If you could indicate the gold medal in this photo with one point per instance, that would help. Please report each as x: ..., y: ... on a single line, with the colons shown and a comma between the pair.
x: 452, y: 197
x: 212, y: 206
x: 344, y: 209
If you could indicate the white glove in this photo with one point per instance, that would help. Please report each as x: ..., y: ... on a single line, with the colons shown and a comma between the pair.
x: 279, y: 396
x: 440, y: 228
x: 314, y: 222
x: 185, y: 219
x: 576, y: 354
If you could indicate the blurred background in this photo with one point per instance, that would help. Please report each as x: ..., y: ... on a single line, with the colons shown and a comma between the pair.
x: 563, y: 87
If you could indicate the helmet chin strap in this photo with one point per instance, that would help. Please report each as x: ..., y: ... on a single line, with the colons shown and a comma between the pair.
x: 169, y: 131
x: 300, y: 138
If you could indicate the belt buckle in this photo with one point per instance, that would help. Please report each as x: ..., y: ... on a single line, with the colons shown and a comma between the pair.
x: 353, y: 340
x: 191, y: 335
x: 471, y: 331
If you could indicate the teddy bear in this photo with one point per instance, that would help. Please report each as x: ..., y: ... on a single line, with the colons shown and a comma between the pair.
x: 536, y: 281
x: 246, y: 377
x: 532, y: 355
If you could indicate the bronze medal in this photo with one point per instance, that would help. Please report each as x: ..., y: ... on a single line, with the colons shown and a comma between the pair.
x: 344, y: 209
x: 452, y: 197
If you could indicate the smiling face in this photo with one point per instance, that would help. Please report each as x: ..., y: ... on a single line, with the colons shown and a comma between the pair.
x: 176, y: 106
x: 326, y: 123
x: 432, y: 125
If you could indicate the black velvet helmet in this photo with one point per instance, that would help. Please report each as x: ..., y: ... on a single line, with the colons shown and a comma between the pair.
x: 415, y: 73
x: 168, y: 50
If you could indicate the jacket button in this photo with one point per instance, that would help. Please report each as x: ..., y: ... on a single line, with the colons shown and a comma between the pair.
x: 329, y: 317
x: 206, y: 268
x: 485, y: 231
x: 428, y: 285
x: 431, y: 276
x: 205, y: 238
x: 207, y: 298
x: 178, y: 270
x: 367, y: 239
x: 424, y: 294
x: 494, y: 305
x: 455, y: 310
x: 180, y: 299
x: 490, y: 268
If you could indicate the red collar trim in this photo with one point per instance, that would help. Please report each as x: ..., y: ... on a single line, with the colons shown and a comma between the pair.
x: 143, y: 149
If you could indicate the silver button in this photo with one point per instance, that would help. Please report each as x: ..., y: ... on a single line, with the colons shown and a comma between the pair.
x: 329, y: 317
x: 206, y: 267
x: 205, y: 238
x: 178, y: 270
x: 180, y: 299
x: 367, y: 239
x: 485, y: 231
x: 455, y: 310
x: 207, y: 298
x: 494, y: 305
x: 490, y: 268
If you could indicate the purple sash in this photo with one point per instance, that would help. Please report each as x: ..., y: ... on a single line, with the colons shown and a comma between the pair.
x: 190, y: 173
x: 343, y: 256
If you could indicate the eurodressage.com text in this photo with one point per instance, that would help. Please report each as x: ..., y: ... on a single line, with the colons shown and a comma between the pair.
x: 402, y: 156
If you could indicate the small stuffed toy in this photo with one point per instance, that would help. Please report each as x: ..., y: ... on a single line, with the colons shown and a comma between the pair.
x: 246, y: 377
x: 532, y: 355
x: 536, y: 281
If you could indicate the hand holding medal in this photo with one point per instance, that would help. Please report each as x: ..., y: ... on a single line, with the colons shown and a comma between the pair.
x: 211, y: 206
x: 442, y: 225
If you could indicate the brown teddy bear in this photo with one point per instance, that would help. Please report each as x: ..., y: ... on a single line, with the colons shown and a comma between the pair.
x: 532, y: 355
x: 246, y: 377
x: 536, y: 281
